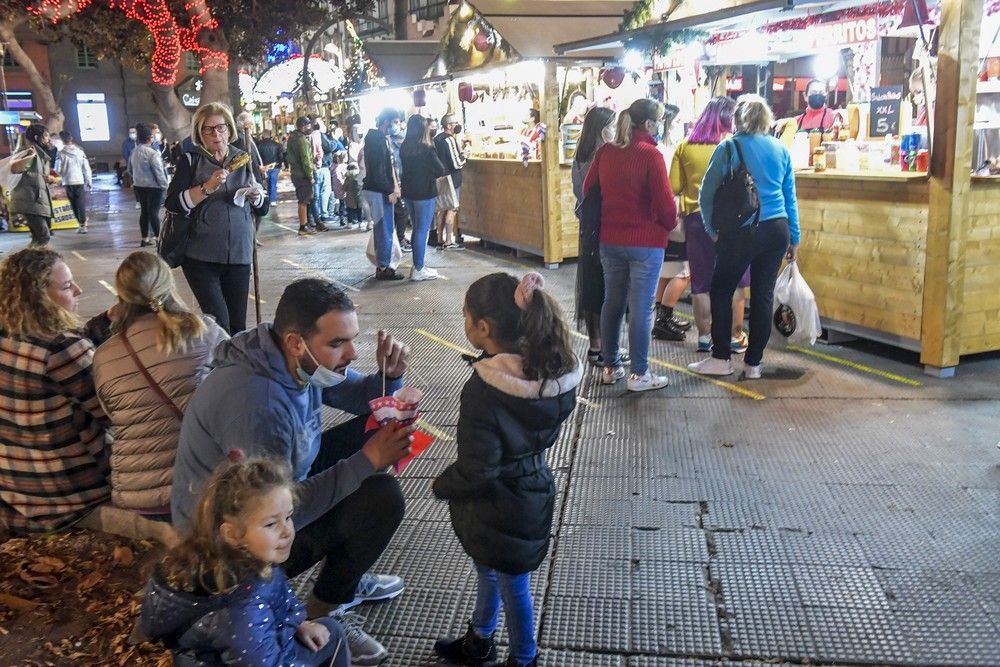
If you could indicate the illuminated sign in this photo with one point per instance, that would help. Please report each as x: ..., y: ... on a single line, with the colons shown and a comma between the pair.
x: 286, y: 78
x: 92, y: 113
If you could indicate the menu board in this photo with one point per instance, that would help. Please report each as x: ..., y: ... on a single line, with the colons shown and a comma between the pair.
x: 885, y: 106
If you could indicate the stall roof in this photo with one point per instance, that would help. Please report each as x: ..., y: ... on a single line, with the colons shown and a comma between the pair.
x: 403, y: 61
x: 533, y: 27
x: 735, y: 17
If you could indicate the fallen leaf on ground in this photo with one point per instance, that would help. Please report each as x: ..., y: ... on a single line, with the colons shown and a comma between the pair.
x: 89, y: 581
x: 15, y: 602
x: 124, y: 556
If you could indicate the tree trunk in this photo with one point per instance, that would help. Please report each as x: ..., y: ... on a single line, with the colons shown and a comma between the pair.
x: 174, y: 116
x: 399, y: 18
x: 41, y: 90
x: 215, y: 80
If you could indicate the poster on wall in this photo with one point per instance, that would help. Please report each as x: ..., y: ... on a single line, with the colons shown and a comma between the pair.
x: 92, y: 113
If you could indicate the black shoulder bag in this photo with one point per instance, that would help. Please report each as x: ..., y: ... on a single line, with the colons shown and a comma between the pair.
x: 175, y: 232
x: 737, y: 198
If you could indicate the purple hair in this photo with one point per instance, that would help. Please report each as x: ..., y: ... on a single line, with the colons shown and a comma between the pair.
x: 715, y: 122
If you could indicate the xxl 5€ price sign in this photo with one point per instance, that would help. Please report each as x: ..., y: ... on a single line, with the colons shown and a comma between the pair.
x: 884, y: 116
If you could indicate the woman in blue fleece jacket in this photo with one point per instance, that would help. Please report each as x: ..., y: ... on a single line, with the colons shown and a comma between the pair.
x: 759, y: 246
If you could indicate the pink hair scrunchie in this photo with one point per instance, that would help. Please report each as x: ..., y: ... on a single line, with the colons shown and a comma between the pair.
x: 526, y: 288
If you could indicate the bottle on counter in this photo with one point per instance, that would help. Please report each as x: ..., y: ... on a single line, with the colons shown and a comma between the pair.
x: 819, y: 159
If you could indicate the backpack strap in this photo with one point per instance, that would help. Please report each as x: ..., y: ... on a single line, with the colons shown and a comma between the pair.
x: 743, y: 164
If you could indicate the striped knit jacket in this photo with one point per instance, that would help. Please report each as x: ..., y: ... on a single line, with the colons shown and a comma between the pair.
x: 54, y: 463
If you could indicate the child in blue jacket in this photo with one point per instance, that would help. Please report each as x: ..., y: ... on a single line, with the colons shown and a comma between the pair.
x: 218, y: 598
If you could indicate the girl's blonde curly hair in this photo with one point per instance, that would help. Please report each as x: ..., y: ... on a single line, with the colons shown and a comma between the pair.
x: 25, y: 307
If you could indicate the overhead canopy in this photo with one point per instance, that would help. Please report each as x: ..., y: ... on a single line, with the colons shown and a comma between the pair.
x: 403, y: 61
x: 533, y: 27
x: 688, y: 14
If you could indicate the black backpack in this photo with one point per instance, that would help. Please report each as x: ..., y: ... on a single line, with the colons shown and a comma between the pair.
x: 737, y: 198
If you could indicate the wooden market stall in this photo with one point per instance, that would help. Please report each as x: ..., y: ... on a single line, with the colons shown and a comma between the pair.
x: 514, y: 195
x: 904, y: 257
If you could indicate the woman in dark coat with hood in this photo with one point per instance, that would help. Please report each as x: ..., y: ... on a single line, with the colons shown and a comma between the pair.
x: 500, y: 490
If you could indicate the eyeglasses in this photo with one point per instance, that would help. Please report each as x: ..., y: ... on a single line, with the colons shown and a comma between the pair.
x: 221, y: 128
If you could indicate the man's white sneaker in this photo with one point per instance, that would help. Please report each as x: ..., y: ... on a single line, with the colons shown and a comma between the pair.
x: 610, y: 374
x: 426, y: 273
x: 752, y: 372
x: 712, y: 366
x: 647, y: 382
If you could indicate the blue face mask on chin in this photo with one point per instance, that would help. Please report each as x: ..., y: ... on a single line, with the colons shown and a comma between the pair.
x: 322, y: 377
x: 394, y: 130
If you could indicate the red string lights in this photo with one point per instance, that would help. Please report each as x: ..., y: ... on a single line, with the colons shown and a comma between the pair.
x: 170, y: 38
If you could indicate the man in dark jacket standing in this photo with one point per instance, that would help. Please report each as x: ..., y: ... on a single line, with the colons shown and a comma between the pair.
x: 380, y: 189
x: 453, y: 158
x: 272, y: 155
x: 300, y: 163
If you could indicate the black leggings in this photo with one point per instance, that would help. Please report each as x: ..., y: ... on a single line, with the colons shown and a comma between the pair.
x: 149, y: 204
x: 355, y: 532
x: 222, y: 291
x: 762, y: 251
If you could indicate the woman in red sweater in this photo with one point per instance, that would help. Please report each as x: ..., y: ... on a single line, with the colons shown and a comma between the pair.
x: 637, y: 214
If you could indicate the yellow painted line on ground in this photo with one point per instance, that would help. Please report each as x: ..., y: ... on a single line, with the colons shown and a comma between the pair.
x: 250, y: 298
x: 442, y: 341
x: 730, y: 386
x: 108, y: 287
x: 78, y: 256
x: 285, y: 227
x: 856, y: 366
x: 319, y: 274
x: 433, y: 430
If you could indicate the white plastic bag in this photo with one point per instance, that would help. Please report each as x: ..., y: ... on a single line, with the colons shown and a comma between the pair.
x: 397, y: 252
x: 10, y: 178
x: 796, y: 317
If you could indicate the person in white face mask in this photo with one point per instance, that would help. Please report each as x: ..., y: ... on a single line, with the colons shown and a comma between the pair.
x: 265, y: 396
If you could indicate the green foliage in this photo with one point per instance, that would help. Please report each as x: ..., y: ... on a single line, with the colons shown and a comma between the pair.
x: 660, y: 41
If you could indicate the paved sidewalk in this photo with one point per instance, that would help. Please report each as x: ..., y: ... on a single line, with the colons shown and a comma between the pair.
x: 841, y: 511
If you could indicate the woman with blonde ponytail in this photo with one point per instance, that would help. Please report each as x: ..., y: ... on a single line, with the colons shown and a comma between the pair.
x: 637, y: 214
x: 145, y: 375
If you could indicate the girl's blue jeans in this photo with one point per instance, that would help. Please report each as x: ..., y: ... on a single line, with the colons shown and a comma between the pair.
x: 630, y: 276
x: 421, y: 216
x: 515, y: 592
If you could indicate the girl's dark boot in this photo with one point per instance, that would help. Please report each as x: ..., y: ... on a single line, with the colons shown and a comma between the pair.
x: 469, y: 649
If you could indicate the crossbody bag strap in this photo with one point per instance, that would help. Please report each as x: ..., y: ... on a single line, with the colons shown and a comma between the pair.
x: 739, y: 152
x: 149, y: 379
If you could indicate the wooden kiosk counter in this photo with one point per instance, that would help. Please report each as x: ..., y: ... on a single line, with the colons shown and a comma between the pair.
x: 504, y: 202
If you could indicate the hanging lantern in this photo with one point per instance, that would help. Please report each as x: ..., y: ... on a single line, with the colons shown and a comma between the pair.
x: 613, y: 77
x: 465, y: 92
x: 482, y: 41
x: 419, y: 97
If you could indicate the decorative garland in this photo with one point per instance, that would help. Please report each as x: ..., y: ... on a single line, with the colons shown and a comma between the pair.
x: 660, y: 41
x: 992, y: 7
x: 884, y: 8
x: 638, y: 16
x: 170, y: 39
x: 363, y: 72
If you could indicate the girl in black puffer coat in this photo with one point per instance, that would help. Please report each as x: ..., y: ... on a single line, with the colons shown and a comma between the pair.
x: 500, y: 490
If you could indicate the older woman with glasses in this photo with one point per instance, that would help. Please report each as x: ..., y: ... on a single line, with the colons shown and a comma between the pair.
x: 210, y: 188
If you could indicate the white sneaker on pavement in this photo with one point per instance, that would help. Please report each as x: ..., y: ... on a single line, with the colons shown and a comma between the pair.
x: 712, y: 366
x: 610, y: 374
x: 426, y: 273
x: 752, y: 372
x: 647, y: 382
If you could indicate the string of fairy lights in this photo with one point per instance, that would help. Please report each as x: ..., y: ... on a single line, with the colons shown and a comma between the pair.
x: 169, y: 37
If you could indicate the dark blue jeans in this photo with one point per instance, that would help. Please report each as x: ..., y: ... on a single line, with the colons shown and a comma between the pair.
x: 762, y: 251
x: 515, y: 592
